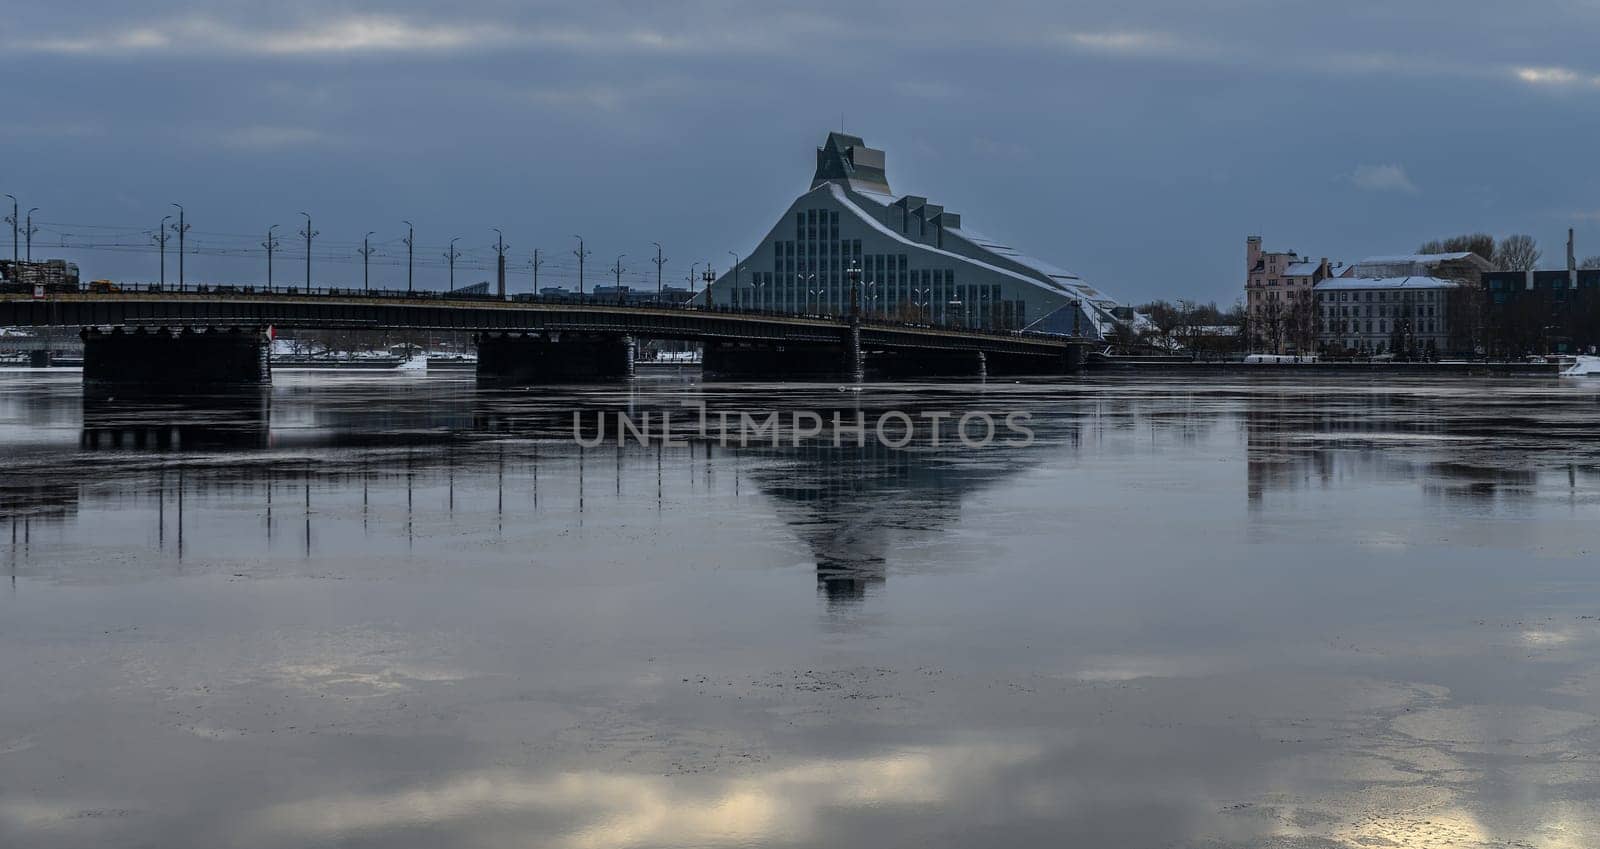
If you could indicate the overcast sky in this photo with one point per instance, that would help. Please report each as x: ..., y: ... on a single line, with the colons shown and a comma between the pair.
x: 1136, y: 143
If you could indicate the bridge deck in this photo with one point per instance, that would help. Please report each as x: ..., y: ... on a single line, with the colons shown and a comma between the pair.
x: 355, y: 310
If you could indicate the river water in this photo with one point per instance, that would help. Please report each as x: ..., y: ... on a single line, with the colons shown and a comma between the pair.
x: 386, y: 610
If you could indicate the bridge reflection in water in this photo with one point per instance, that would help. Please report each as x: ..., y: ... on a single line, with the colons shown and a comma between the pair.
x: 319, y: 471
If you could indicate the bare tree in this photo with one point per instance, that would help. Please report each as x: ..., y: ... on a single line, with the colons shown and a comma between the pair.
x: 1272, y: 325
x: 1590, y: 262
x: 1481, y: 244
x: 1517, y: 253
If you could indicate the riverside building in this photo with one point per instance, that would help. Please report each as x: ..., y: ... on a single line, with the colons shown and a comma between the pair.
x: 919, y: 261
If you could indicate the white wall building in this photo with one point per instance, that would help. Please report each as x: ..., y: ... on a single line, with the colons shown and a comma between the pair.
x: 919, y: 261
x: 1379, y: 315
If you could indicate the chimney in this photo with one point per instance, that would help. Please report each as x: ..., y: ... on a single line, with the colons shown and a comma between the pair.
x: 1572, y: 262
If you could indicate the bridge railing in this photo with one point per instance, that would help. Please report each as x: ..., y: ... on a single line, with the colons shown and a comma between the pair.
x: 643, y: 301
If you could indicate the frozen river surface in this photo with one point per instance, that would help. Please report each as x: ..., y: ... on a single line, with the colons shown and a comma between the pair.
x: 386, y: 611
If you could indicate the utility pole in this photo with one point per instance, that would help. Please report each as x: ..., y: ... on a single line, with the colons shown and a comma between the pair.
x: 366, y: 258
x: 160, y: 238
x: 451, y: 256
x: 692, y: 267
x: 659, y: 261
x: 309, y: 234
x: 12, y: 220
x: 500, y: 263
x: 271, y: 244
x: 411, y: 232
x: 180, y: 228
x: 536, y: 263
x: 617, y: 270
x: 581, y: 253
x: 708, y: 275
x: 28, y: 231
x: 733, y: 299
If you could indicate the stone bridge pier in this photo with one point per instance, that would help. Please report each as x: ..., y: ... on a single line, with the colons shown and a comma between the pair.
x: 554, y: 357
x: 163, y: 360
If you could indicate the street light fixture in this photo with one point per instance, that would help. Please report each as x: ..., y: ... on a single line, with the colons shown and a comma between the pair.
x: 709, y: 277
x: 309, y: 234
x: 28, y: 231
x: 160, y: 238
x: 805, y: 283
x: 582, y: 255
x: 180, y: 228
x: 271, y: 244
x: 451, y: 256
x: 366, y: 257
x: 410, y: 240
x: 12, y: 220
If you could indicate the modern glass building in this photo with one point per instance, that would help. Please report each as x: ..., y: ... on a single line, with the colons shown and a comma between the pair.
x: 918, y: 261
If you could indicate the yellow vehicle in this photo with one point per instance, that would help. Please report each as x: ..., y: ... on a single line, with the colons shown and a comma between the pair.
x: 103, y: 286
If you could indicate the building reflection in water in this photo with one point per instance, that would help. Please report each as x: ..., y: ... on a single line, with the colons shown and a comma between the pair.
x: 1451, y: 448
x: 303, y: 463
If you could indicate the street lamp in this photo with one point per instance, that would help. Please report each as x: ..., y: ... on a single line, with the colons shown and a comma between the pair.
x: 659, y: 261
x: 451, y: 256
x: 271, y: 244
x: 366, y: 257
x: 180, y: 228
x: 733, y: 293
x: 708, y: 276
x: 805, y: 282
x: 160, y: 238
x: 853, y: 273
x: 12, y: 220
x: 582, y: 255
x: 28, y: 231
x: 309, y: 234
x: 500, y: 262
x: 411, y: 232
x: 919, y: 299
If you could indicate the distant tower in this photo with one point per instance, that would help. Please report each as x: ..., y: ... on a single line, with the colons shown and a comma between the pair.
x: 1252, y: 253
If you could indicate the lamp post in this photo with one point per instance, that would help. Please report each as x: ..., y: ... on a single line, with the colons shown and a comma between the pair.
x: 451, y: 256
x: 366, y: 257
x: 805, y: 286
x: 271, y: 244
x: 853, y: 273
x: 410, y: 240
x: 919, y: 299
x: 12, y: 220
x: 309, y: 234
x: 536, y: 262
x: 160, y: 238
x: 709, y: 277
x: 733, y: 294
x: 500, y: 262
x: 659, y: 261
x: 692, y: 267
x: 180, y: 228
x: 582, y: 255
x: 27, y: 233
x: 617, y: 270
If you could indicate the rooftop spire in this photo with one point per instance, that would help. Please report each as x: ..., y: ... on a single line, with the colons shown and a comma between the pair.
x: 847, y: 159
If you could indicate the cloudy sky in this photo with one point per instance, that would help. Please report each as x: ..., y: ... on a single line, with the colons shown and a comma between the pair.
x: 1137, y: 143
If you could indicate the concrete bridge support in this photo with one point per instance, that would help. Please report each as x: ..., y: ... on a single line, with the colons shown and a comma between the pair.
x: 164, y: 361
x: 563, y: 357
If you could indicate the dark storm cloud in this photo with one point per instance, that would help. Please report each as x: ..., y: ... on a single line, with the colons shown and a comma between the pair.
x: 1135, y: 145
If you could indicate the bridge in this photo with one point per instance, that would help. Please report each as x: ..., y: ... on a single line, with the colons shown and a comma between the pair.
x: 219, y: 335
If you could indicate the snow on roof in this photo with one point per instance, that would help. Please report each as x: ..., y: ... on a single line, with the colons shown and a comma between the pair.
x: 1346, y: 283
x: 1301, y: 269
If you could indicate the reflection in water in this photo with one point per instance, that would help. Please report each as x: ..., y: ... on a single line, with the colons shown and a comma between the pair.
x: 414, y: 613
